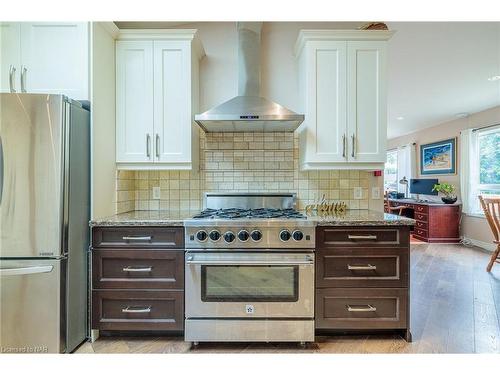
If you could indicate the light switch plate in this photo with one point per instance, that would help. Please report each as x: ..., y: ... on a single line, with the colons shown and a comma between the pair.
x: 375, y: 192
x: 156, y: 192
x: 358, y: 193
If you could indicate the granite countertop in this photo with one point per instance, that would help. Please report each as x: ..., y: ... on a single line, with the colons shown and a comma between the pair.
x: 359, y: 218
x: 177, y: 217
x: 145, y: 218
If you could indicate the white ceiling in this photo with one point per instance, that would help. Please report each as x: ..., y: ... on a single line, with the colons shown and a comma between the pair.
x: 436, y: 70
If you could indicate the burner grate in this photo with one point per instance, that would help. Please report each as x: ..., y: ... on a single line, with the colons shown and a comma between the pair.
x: 256, y: 213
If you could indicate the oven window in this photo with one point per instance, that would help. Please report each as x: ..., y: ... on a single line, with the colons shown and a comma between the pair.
x: 249, y: 283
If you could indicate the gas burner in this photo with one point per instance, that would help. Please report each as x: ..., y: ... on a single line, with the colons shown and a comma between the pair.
x: 255, y: 213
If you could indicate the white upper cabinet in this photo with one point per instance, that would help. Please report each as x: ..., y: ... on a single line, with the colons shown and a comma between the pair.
x: 55, y: 58
x: 10, y: 56
x: 134, y: 101
x: 157, y: 97
x: 45, y: 57
x: 367, y: 103
x: 342, y: 81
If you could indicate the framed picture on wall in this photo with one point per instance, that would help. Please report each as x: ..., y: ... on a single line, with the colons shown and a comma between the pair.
x: 438, y: 157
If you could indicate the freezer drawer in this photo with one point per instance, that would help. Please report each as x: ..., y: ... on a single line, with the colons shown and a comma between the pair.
x: 30, y: 307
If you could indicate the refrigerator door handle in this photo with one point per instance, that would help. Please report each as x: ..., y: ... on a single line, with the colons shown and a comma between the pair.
x: 25, y: 270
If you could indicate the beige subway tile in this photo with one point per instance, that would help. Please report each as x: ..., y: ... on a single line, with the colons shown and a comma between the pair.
x: 174, y: 175
x: 343, y: 174
x: 174, y: 194
x: 354, y: 204
x: 184, y: 175
x: 344, y: 184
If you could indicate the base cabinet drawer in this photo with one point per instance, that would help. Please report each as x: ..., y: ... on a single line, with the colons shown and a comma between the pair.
x: 138, y: 237
x: 376, y: 267
x: 362, y: 237
x: 138, y: 310
x: 341, y: 308
x: 137, y: 269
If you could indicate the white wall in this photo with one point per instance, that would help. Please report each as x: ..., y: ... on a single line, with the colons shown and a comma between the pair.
x: 472, y: 227
x: 279, y: 76
x: 103, y: 121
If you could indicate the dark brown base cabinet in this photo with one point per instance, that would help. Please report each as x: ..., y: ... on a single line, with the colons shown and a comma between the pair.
x: 362, y: 279
x: 138, y: 279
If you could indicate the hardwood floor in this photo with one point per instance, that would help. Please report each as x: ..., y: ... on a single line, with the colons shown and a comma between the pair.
x: 455, y: 308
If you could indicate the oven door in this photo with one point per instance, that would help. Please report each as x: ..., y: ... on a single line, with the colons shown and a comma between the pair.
x: 249, y: 285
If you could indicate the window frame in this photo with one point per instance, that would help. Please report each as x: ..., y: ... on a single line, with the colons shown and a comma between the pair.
x: 482, y: 132
x: 395, y: 151
x: 476, y: 184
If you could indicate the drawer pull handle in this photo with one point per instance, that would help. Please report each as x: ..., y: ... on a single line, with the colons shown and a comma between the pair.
x: 369, y: 267
x: 364, y: 237
x: 136, y: 238
x: 137, y: 269
x: 362, y: 308
x: 137, y: 309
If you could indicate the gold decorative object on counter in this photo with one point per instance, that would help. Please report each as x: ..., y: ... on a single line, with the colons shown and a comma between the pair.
x: 326, y: 208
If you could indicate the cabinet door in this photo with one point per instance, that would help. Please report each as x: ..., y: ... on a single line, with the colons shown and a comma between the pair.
x: 172, y: 101
x: 56, y: 58
x: 326, y: 105
x: 10, y: 54
x: 134, y: 101
x: 366, y: 104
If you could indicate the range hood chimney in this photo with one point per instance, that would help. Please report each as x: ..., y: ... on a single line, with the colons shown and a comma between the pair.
x: 249, y: 112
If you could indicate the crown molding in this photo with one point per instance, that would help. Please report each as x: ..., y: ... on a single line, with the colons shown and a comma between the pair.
x: 164, y: 34
x: 110, y: 27
x: 344, y: 35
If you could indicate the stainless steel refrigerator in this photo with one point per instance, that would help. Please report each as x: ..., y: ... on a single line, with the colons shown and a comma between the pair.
x: 44, y: 235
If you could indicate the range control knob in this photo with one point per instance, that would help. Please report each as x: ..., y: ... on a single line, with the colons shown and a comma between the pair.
x: 214, y: 235
x: 243, y: 235
x: 285, y: 235
x: 297, y: 235
x: 201, y: 236
x: 229, y: 237
x: 256, y: 235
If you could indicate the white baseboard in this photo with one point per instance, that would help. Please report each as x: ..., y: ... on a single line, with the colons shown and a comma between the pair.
x: 481, y: 244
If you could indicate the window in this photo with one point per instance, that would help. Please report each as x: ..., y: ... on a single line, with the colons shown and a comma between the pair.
x: 391, y: 171
x: 479, y: 167
x: 489, y: 161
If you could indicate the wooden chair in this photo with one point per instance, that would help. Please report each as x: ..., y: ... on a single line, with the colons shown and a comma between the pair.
x: 390, y: 209
x: 491, y: 208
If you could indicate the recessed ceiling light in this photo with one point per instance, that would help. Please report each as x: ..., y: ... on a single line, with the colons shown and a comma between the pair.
x: 462, y: 115
x: 400, y: 118
x: 494, y: 78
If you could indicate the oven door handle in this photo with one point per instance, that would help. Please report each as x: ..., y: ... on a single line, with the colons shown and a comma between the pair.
x: 249, y: 262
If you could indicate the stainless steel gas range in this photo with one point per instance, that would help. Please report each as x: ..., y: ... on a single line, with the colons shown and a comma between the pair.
x: 249, y: 270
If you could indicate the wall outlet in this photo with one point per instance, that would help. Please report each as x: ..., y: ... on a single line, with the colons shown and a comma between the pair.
x: 156, y: 192
x: 375, y: 192
x: 358, y: 193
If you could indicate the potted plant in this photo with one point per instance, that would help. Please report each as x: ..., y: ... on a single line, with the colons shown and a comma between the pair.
x: 447, y: 190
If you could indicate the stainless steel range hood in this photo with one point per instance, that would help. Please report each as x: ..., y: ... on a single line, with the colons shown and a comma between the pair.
x: 249, y: 112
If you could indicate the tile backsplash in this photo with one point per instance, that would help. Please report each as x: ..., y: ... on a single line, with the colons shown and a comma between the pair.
x: 240, y: 162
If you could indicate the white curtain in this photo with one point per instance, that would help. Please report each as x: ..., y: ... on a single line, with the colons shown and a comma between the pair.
x: 407, y: 164
x: 469, y: 172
